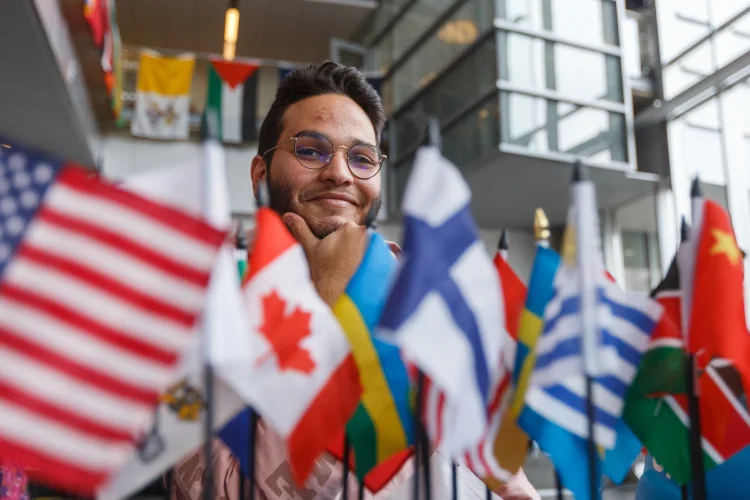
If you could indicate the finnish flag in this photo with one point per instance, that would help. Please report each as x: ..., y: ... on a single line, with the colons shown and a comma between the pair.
x: 445, y: 309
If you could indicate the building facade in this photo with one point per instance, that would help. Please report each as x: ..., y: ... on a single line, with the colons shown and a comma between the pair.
x: 649, y: 94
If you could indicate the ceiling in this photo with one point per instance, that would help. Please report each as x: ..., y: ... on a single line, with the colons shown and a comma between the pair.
x: 286, y: 30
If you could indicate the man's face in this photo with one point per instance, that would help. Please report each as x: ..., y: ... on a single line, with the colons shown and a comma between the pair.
x: 328, y: 197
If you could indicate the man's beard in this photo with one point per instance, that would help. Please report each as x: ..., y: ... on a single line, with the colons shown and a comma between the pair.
x: 281, y: 202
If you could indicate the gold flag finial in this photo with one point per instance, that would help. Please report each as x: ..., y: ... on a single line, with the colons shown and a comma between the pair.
x: 541, y: 225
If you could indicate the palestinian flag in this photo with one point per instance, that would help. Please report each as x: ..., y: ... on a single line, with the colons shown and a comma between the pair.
x: 232, y: 89
x: 656, y: 404
x: 718, y: 326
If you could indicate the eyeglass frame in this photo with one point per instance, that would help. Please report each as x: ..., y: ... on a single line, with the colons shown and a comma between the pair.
x: 335, y: 147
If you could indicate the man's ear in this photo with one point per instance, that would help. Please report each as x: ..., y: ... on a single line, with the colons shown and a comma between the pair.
x: 258, y: 172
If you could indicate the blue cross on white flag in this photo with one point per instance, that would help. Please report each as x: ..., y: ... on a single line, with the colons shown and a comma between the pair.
x: 445, y: 308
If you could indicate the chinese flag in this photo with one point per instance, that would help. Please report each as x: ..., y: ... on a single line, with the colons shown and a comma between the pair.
x: 717, y: 321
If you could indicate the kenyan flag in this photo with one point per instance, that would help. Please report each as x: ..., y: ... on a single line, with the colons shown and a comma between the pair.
x: 656, y: 405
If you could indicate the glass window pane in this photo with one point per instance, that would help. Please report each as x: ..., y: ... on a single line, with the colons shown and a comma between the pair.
x: 700, y: 143
x: 386, y: 11
x: 702, y: 153
x: 733, y: 41
x: 542, y: 125
x: 724, y: 10
x: 590, y: 21
x: 681, y: 23
x: 538, y: 64
x: 717, y: 194
x: 688, y: 70
x: 462, y: 29
x: 475, y: 136
x: 636, y: 256
x: 631, y: 47
x: 449, y: 95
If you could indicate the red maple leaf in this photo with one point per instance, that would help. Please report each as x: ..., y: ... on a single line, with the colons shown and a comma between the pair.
x: 285, y: 333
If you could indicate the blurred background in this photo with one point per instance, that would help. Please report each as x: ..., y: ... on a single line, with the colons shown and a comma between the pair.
x: 649, y: 93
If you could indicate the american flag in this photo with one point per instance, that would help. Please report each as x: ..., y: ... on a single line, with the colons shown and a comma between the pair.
x: 99, y: 292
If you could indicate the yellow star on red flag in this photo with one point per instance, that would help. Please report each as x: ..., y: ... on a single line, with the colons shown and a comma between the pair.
x: 726, y: 244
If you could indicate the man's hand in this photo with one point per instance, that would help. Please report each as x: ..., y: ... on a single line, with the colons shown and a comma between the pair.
x: 334, y: 259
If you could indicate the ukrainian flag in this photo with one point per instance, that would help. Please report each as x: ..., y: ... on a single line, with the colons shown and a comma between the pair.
x: 382, y: 424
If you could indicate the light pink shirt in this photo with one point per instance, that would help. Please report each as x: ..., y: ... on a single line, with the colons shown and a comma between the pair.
x: 273, y: 477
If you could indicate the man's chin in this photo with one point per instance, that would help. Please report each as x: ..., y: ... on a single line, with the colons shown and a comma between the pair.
x: 323, y: 226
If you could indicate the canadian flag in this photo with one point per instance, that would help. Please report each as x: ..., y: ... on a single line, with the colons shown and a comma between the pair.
x: 301, y: 377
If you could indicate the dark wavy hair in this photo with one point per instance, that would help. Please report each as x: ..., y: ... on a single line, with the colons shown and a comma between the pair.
x: 318, y: 79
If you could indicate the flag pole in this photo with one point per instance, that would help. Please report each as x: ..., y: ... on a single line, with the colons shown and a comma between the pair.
x: 264, y: 200
x: 542, y: 234
x: 361, y: 493
x: 417, y: 433
x: 503, y: 248
x: 583, y: 198
x: 212, y: 156
x: 251, y: 462
x: 421, y: 440
x: 240, y: 253
x: 697, y: 468
x: 345, y: 486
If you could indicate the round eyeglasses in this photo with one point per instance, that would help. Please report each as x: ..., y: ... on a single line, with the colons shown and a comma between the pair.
x: 315, y: 151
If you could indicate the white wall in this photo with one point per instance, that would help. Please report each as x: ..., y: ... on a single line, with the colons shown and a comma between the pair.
x: 124, y: 156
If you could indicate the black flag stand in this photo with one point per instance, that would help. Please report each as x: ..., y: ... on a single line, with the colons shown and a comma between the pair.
x: 558, y: 486
x: 345, y: 475
x: 697, y: 470
x: 169, y: 477
x: 253, y: 417
x: 421, y: 444
x: 210, y: 134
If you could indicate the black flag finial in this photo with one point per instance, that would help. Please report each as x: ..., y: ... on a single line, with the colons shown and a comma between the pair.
x: 579, y: 172
x: 502, y: 245
x: 433, y: 133
x: 684, y: 230
x: 696, y: 191
x: 240, y: 241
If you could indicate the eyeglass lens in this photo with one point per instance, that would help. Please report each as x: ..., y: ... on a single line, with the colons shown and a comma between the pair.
x: 315, y: 151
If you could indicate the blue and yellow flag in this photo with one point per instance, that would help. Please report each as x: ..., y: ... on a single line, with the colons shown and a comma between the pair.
x: 531, y: 324
x: 382, y: 425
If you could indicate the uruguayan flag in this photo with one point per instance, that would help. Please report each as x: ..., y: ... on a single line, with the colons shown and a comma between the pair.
x: 445, y: 308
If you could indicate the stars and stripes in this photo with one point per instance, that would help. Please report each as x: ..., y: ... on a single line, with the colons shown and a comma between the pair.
x: 96, y: 307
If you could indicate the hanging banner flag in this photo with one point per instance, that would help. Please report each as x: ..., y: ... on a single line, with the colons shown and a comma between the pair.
x: 232, y: 90
x: 95, y: 13
x: 162, y: 102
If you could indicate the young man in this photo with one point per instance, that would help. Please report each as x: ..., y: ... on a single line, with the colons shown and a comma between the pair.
x: 319, y: 155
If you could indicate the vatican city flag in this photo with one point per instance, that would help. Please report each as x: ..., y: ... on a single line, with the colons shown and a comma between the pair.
x: 162, y: 102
